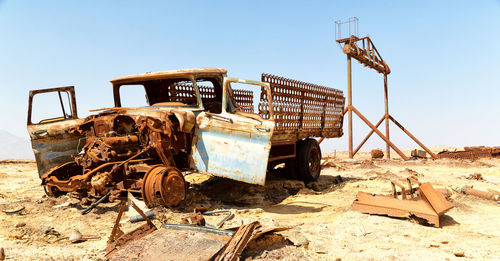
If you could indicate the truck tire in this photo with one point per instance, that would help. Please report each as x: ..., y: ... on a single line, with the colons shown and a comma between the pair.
x: 308, y: 159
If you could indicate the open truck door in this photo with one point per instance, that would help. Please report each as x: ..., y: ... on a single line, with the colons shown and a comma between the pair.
x: 52, y: 115
x: 234, y: 145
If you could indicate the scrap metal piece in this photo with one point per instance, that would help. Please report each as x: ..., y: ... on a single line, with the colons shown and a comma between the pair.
x: 116, y: 242
x: 87, y: 210
x: 471, y: 153
x: 233, y: 249
x: 468, y: 190
x: 13, y: 211
x: 383, y: 205
x: 176, y: 242
x: 196, y: 219
x: 138, y: 218
x: 419, y: 154
x: 226, y: 218
x: 435, y: 198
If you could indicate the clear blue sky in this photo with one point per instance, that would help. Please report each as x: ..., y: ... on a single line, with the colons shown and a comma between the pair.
x: 444, y: 55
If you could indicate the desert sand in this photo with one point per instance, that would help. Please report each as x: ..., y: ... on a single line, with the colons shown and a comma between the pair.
x: 322, y: 226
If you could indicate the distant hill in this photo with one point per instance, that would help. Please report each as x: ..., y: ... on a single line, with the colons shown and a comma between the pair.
x: 13, y: 147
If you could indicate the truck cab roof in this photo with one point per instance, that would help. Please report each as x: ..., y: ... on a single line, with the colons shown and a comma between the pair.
x: 166, y: 74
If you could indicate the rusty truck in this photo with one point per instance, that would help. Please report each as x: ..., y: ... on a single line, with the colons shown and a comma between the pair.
x: 193, y: 120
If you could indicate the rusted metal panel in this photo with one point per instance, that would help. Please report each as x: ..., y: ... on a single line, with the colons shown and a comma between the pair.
x: 232, y: 146
x: 176, y: 242
x: 303, y: 109
x: 423, y: 202
x: 384, y: 205
x: 436, y: 199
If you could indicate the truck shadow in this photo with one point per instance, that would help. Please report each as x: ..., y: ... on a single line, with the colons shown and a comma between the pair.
x: 229, y: 193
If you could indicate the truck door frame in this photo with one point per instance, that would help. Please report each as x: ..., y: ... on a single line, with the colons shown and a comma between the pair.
x: 51, y: 142
x: 231, y: 145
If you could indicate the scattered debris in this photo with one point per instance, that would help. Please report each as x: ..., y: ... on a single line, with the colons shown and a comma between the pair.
x: 138, y: 218
x: 418, y: 154
x: 424, y: 202
x: 87, y: 210
x: 20, y: 224
x: 468, y: 190
x: 65, y: 204
x: 471, y: 153
x: 76, y: 236
x: 14, y: 211
x: 475, y: 176
x: 377, y: 154
x: 50, y: 231
x: 226, y: 218
x: 118, y: 239
x: 196, y: 219
x: 177, y: 242
x: 238, y: 242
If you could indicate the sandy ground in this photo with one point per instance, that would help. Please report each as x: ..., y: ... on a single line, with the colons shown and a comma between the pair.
x: 322, y: 225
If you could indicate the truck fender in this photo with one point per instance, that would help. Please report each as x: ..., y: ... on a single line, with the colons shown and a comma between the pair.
x: 186, y: 120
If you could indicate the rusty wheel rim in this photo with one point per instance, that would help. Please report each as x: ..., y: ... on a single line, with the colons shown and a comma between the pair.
x: 163, y: 186
x: 148, y: 185
x: 314, y: 161
x: 173, y: 189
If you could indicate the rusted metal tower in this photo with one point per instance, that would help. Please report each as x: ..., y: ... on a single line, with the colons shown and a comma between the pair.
x: 364, y: 51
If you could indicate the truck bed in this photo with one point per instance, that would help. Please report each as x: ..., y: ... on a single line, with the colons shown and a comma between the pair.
x: 302, y: 109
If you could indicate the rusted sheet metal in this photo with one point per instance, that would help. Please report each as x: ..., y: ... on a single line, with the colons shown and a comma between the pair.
x: 240, y: 239
x: 383, y: 205
x: 435, y: 198
x: 471, y: 153
x: 232, y: 147
x: 53, y: 144
x: 303, y: 109
x: 423, y: 202
x: 176, y: 242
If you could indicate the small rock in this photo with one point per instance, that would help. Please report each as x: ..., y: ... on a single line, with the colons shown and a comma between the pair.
x: 377, y: 154
x: 76, y: 236
x: 20, y: 224
x: 444, y: 242
x: 2, y: 253
x: 459, y: 254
